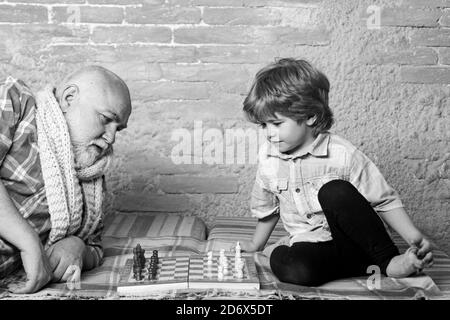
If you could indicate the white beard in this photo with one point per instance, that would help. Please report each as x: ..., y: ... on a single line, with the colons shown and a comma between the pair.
x: 88, y: 154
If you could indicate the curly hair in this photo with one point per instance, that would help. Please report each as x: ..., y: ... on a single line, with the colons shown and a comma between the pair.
x: 292, y: 88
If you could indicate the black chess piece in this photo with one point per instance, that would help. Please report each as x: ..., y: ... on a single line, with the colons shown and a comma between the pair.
x: 142, y: 259
x: 137, y: 272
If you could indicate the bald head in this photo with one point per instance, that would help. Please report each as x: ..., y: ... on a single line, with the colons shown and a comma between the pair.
x: 96, y: 104
x: 98, y: 81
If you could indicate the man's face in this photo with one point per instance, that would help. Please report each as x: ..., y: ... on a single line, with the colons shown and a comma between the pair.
x: 93, y: 120
x: 286, y: 134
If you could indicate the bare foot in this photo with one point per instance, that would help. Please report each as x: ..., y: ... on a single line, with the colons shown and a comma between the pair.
x: 405, y: 264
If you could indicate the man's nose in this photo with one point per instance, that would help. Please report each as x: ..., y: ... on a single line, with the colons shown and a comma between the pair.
x: 110, y: 135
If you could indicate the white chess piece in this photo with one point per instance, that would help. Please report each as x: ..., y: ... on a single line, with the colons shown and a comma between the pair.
x: 238, y: 251
x: 210, y: 259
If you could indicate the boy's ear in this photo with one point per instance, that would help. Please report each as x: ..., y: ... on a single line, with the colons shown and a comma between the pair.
x: 68, y: 96
x: 311, y: 121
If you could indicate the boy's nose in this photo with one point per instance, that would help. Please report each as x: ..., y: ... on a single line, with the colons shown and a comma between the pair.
x: 271, y: 132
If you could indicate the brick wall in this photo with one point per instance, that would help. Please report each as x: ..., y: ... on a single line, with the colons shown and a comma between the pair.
x: 188, y: 61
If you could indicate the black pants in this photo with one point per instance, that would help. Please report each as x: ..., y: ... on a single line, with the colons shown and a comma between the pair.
x: 359, y: 240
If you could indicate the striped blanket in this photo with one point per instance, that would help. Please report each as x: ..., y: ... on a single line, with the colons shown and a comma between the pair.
x: 101, y: 283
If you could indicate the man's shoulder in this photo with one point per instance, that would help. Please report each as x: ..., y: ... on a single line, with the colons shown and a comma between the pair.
x: 17, y: 85
x: 14, y: 96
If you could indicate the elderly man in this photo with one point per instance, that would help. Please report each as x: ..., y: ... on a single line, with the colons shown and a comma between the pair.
x: 55, y: 147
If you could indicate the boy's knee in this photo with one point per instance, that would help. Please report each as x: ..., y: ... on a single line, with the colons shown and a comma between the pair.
x: 336, y: 192
x: 295, y: 272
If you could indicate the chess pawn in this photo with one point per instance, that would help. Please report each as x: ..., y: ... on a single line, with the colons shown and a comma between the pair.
x: 225, y: 270
x: 209, y: 271
x: 135, y: 274
x: 239, y: 265
x: 220, y: 273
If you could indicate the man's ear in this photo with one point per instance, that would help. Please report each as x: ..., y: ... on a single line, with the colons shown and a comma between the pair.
x: 311, y: 121
x: 69, y: 94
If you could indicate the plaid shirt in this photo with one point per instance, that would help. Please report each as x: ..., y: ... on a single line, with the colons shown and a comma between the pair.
x: 288, y: 185
x: 20, y: 169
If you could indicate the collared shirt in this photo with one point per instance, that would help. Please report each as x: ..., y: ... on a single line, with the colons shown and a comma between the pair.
x: 20, y: 169
x: 288, y: 184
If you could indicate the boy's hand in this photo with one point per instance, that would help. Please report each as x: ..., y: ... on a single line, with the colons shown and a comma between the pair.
x: 246, y: 246
x: 66, y: 256
x: 424, y: 251
x: 423, y: 245
x: 37, y: 268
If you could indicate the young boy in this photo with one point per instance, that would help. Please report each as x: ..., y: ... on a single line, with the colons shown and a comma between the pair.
x: 329, y: 195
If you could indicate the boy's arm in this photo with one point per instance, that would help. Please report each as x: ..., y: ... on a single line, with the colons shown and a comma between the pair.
x: 16, y: 230
x: 400, y: 221
x: 369, y: 181
x: 263, y: 230
x: 265, y: 206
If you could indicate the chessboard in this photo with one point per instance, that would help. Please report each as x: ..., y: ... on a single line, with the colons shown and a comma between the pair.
x: 141, y: 275
x: 204, y: 275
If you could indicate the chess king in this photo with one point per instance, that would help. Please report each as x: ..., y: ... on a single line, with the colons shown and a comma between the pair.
x: 55, y: 147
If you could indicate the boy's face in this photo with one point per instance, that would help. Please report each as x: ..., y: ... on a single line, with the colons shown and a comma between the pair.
x: 287, y: 134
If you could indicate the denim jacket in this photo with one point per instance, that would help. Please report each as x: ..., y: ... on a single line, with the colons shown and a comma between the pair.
x: 288, y: 185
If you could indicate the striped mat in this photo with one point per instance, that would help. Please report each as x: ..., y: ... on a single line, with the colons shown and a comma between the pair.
x: 124, y: 233
x: 230, y: 228
x: 101, y: 283
x: 154, y: 225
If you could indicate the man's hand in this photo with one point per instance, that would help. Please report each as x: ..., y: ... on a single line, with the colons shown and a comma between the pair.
x: 66, y: 256
x: 37, y: 268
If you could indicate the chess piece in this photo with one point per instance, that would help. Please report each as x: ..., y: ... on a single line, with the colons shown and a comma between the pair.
x: 238, y: 250
x: 220, y: 272
x: 142, y: 259
x: 210, y: 258
x: 155, y: 256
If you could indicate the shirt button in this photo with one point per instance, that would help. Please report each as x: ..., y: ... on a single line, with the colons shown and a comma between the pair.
x: 297, y: 190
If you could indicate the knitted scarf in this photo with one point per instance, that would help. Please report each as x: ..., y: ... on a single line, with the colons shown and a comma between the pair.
x: 74, y: 197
